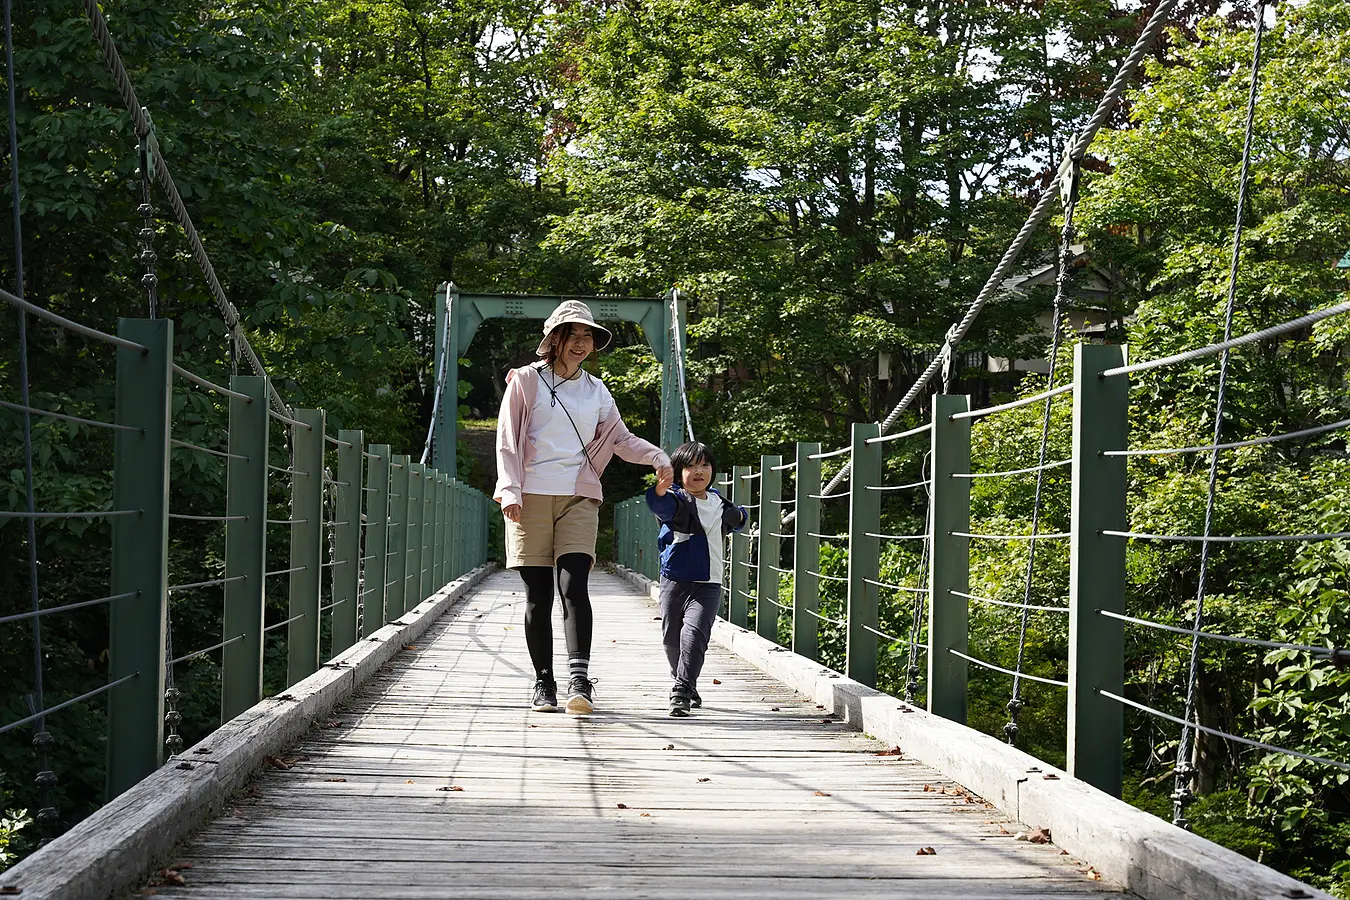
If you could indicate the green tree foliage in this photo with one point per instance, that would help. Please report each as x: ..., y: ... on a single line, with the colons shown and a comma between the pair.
x: 829, y: 181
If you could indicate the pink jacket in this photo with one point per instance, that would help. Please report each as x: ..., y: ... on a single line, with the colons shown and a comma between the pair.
x: 514, y: 450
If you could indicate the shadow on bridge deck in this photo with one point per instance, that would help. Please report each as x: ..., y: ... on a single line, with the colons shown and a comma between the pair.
x: 435, y: 780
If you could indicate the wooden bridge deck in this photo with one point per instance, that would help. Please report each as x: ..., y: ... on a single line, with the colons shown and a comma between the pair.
x: 436, y: 781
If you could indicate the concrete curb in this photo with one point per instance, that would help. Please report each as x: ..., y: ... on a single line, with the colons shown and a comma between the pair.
x: 1128, y: 846
x: 117, y: 847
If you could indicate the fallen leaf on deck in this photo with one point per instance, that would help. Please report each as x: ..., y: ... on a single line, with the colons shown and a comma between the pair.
x: 717, y: 681
x: 1002, y: 830
x: 409, y: 646
x: 821, y: 794
x: 645, y: 815
x: 452, y: 787
x: 926, y: 851
x: 927, y: 788
x: 170, y: 876
x: 410, y: 781
x: 894, y: 751
x: 705, y: 779
x: 335, y: 779
x: 775, y: 709
x: 668, y: 747
x: 1039, y: 836
x: 622, y: 805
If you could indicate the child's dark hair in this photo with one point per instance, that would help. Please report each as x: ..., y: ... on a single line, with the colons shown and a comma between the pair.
x: 686, y: 455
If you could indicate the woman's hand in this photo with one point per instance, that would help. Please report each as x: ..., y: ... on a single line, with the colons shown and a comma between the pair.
x: 512, y: 512
x: 665, y: 477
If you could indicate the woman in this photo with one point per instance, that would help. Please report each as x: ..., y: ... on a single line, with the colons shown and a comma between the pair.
x: 557, y: 430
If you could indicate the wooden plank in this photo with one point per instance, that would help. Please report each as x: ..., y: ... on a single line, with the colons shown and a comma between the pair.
x: 758, y: 794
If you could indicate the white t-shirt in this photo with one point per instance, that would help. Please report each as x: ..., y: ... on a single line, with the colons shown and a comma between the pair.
x: 558, y: 451
x: 710, y: 517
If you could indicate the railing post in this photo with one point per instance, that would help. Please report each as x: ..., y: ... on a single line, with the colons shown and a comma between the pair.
x: 302, y: 635
x: 395, y: 583
x: 376, y: 543
x: 347, y: 539
x: 949, y: 568
x: 806, y: 555
x: 740, y: 552
x: 462, y: 529
x: 448, y: 533
x: 412, y: 571
x: 770, y: 521
x: 1096, y: 724
x: 864, y: 549
x: 241, y: 664
x: 433, y: 560
x: 722, y: 482
x: 140, y: 552
x: 459, y: 524
x: 426, y: 587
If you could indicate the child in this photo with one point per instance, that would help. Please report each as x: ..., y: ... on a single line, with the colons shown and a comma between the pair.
x: 695, y: 521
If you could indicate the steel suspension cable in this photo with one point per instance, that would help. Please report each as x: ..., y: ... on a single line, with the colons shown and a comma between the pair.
x: 42, y: 740
x: 1077, y: 150
x: 440, y: 381
x: 678, y: 347
x: 145, y: 131
x: 1069, y: 195
x: 1185, y: 772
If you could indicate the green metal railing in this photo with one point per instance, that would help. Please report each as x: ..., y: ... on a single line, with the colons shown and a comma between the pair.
x: 838, y: 602
x: 367, y: 539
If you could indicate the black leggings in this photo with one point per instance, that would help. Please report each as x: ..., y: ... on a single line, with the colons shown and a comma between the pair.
x: 574, y: 570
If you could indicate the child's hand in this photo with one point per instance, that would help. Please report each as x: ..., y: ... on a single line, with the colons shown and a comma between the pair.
x: 665, y: 477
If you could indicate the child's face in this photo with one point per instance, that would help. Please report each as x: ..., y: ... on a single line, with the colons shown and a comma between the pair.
x: 697, y: 477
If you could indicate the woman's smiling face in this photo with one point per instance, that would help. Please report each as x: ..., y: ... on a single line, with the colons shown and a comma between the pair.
x: 579, y: 344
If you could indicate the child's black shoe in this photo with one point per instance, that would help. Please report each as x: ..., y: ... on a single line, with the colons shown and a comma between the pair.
x: 679, y: 705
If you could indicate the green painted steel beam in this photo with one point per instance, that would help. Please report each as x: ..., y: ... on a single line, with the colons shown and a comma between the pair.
x: 806, y: 554
x: 467, y: 311
x: 241, y: 675
x: 307, y: 533
x: 949, y: 568
x: 346, y: 570
x: 864, y: 555
x: 397, y: 544
x: 1096, y: 724
x: 376, y: 547
x: 438, y: 578
x: 428, y: 535
x: 770, y: 523
x: 412, y: 568
x: 140, y: 552
x: 740, y: 552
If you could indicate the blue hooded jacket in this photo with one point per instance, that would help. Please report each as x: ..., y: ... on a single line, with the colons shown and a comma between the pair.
x: 682, y: 540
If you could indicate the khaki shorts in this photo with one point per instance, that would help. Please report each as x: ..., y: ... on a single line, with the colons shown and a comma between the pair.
x: 550, y: 526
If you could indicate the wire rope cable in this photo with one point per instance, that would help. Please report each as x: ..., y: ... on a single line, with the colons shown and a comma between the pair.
x: 1069, y: 196
x: 1182, y: 791
x: 145, y: 130
x: 1078, y: 148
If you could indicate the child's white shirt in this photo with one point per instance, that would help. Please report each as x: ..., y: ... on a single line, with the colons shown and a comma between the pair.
x: 710, y: 517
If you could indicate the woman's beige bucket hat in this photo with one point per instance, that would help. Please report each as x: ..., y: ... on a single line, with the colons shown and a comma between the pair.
x: 580, y: 313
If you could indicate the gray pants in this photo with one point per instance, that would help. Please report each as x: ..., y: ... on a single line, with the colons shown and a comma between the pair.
x: 688, y: 610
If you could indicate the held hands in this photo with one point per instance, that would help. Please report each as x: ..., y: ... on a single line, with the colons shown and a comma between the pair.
x: 512, y: 512
x: 665, y: 477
